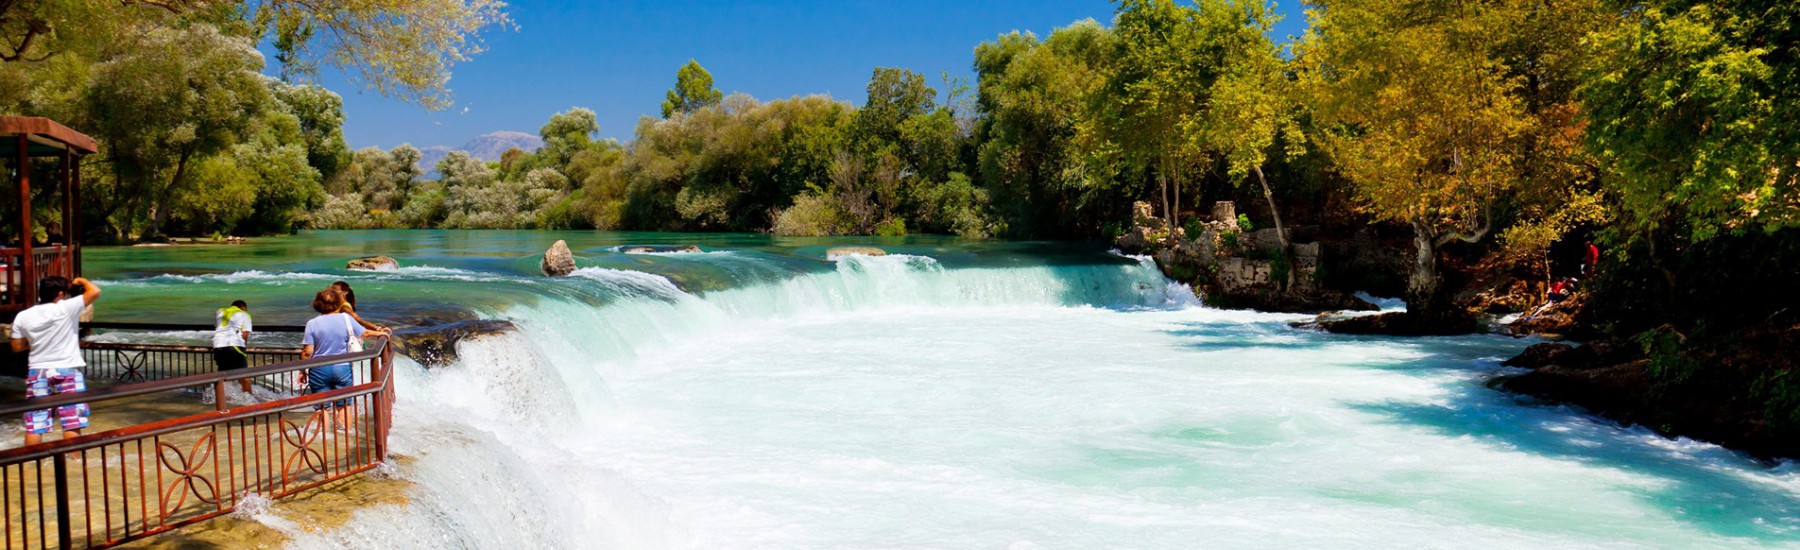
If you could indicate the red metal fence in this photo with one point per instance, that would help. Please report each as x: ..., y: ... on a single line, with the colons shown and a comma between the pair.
x: 104, y: 489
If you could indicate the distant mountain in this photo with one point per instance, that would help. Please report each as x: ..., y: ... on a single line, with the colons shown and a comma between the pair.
x: 488, y: 146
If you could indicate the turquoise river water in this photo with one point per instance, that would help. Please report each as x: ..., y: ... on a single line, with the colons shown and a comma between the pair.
x: 952, y: 395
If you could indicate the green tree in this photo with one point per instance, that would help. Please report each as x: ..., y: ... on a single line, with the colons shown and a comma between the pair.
x: 895, y: 96
x: 693, y: 90
x: 566, y: 134
x: 1033, y: 147
x: 321, y: 116
x: 1694, y: 109
x: 1155, y: 94
x: 400, y: 48
x: 177, y: 97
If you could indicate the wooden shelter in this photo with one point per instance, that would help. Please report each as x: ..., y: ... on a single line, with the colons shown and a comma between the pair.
x: 24, y: 257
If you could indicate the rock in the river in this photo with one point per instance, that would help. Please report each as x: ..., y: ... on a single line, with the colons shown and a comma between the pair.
x: 374, y: 263
x: 660, y: 249
x: 1401, y: 323
x: 435, y: 345
x: 1539, y: 355
x: 558, y: 261
x: 841, y: 251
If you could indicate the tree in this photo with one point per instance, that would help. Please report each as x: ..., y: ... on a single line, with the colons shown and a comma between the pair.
x: 1420, y: 119
x: 1252, y: 100
x: 895, y: 95
x: 1033, y: 138
x: 400, y: 48
x: 177, y: 97
x: 566, y: 134
x: 321, y: 116
x: 1694, y: 108
x: 693, y: 90
x: 1155, y: 92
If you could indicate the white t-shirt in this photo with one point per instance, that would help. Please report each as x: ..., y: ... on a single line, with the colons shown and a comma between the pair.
x: 230, y: 334
x: 54, y: 331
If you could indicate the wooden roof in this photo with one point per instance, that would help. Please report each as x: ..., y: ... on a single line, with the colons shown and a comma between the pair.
x: 47, y: 136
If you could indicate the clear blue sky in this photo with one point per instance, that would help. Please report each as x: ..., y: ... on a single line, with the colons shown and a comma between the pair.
x: 618, y: 57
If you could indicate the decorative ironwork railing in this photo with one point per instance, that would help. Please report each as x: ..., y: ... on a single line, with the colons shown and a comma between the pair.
x: 104, y: 489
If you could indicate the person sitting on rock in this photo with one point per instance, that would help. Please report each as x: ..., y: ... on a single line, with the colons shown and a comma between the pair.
x: 1561, y: 289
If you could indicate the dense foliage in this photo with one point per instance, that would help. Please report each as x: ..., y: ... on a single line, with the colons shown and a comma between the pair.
x: 195, y: 138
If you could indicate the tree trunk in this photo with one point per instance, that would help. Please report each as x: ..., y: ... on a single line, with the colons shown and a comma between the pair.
x: 1280, y: 232
x: 1423, y: 285
x: 1162, y: 182
x: 159, y: 210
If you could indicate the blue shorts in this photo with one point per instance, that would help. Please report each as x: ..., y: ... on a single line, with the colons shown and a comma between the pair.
x: 330, y: 377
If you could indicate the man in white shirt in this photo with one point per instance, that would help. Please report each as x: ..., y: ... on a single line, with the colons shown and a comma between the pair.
x: 229, y: 339
x: 52, y: 331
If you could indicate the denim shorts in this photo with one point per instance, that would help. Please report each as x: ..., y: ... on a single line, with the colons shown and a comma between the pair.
x: 330, y: 377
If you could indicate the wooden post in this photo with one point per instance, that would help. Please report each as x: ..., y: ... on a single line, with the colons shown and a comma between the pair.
x: 28, y: 275
x: 67, y: 257
x: 72, y: 230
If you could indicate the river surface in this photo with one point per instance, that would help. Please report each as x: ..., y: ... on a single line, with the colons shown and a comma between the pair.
x: 952, y: 395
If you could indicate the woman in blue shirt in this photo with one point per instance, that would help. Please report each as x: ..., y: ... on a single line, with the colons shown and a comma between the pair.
x: 327, y: 335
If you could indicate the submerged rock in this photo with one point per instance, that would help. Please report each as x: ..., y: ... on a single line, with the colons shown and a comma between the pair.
x: 841, y: 251
x: 435, y: 345
x: 661, y: 249
x: 373, y: 263
x: 558, y: 261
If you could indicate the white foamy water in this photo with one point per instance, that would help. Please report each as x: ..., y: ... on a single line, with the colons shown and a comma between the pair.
x: 893, y: 403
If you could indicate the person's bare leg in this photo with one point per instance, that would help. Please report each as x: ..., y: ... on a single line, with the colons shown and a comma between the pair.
x: 33, y: 439
x: 245, y: 383
x: 71, y: 433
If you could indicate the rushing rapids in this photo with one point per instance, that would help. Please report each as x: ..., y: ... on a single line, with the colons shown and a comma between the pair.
x: 758, y: 395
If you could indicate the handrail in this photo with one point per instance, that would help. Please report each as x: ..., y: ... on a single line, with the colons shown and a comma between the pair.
x: 187, y: 327
x: 134, y: 390
x: 195, y: 467
x: 182, y: 347
x: 161, y: 427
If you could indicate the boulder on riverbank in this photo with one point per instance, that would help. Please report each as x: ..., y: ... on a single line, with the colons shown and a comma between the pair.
x: 841, y: 251
x: 435, y: 345
x: 660, y: 249
x: 558, y: 261
x: 373, y: 263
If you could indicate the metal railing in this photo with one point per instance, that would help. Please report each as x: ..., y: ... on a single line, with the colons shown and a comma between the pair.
x: 136, y: 362
x: 104, y: 489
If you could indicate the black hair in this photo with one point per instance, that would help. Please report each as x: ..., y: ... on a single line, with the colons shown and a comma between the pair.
x: 52, y: 287
x: 240, y: 304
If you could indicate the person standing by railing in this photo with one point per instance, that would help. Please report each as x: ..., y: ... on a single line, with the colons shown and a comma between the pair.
x: 331, y: 333
x: 349, y: 308
x: 51, y: 331
x: 230, y: 337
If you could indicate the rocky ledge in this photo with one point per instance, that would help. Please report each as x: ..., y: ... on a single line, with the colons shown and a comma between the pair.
x: 1401, y: 323
x: 1743, y: 394
x: 434, y: 345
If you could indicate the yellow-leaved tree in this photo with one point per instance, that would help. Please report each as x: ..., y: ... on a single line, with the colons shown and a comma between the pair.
x: 1420, y: 119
